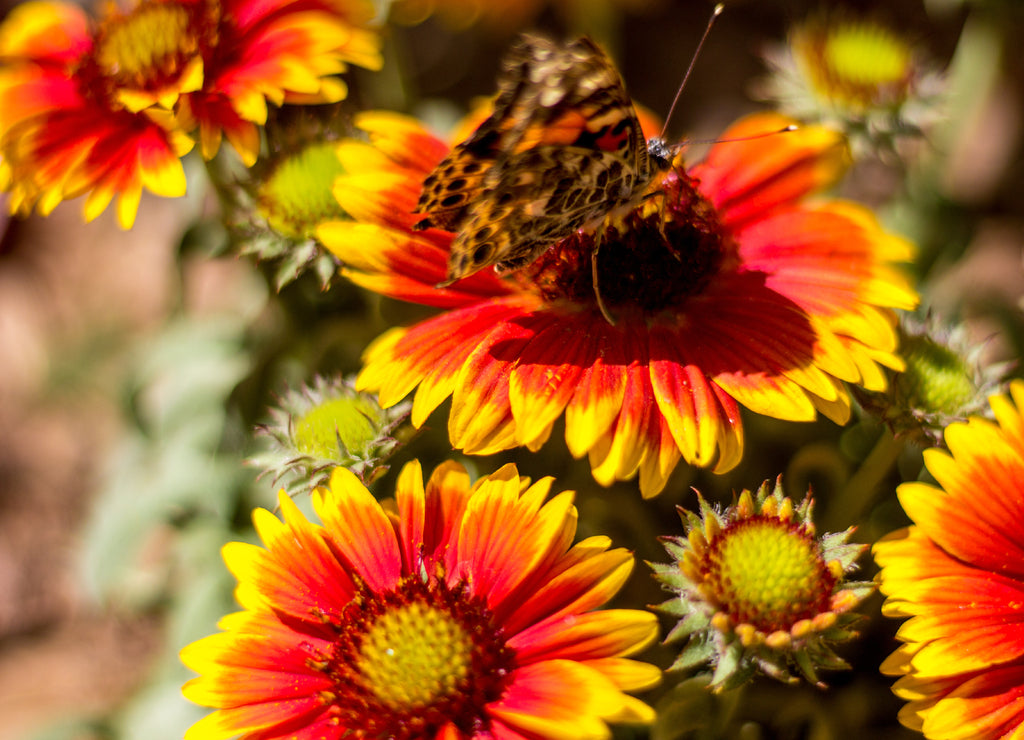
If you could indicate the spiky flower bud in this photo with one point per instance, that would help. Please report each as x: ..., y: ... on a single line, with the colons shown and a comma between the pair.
x: 327, y: 425
x: 945, y: 380
x: 272, y: 210
x: 756, y: 590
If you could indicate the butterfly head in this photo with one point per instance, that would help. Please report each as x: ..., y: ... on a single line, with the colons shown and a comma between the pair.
x: 661, y: 153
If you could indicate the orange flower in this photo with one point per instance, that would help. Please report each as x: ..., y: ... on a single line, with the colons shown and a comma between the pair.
x: 958, y: 573
x: 106, y: 111
x: 730, y: 288
x: 465, y: 615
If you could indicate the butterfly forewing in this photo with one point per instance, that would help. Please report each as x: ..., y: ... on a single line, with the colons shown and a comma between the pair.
x: 561, y: 150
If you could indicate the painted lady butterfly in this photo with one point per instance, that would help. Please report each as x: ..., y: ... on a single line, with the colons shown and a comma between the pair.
x: 562, y: 149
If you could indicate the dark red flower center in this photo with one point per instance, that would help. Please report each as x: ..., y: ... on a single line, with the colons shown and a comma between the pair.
x: 649, y: 260
x: 408, y: 662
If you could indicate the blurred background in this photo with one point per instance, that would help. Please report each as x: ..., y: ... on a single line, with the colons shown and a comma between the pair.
x: 135, y: 365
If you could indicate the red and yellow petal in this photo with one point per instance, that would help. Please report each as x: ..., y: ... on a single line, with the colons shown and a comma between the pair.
x: 910, y: 557
x: 296, y: 561
x: 256, y: 659
x: 360, y: 530
x: 630, y: 675
x: 402, y: 140
x: 957, y: 640
x: 964, y: 524
x: 67, y: 153
x: 608, y: 633
x: 747, y: 180
x: 504, y: 538
x: 989, y: 706
x: 559, y: 698
x: 585, y: 577
x: 481, y: 420
x: 640, y: 438
x: 263, y: 721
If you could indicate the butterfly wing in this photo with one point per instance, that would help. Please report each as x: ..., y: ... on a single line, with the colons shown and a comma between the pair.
x: 557, y: 190
x: 449, y: 190
x: 562, y: 148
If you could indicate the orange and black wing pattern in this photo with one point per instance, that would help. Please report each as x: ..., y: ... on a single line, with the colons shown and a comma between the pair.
x: 561, y: 149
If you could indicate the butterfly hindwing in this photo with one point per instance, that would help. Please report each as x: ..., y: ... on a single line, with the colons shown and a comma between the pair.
x: 556, y: 191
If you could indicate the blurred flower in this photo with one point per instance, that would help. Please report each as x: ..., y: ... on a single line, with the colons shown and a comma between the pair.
x: 854, y: 73
x: 958, y: 573
x: 64, y: 129
x: 730, y: 288
x: 104, y: 109
x: 465, y: 615
x: 328, y: 425
x: 757, y: 590
x: 944, y: 381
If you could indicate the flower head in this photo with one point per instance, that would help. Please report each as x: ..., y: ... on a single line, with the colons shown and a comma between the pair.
x: 958, y: 573
x: 756, y: 590
x: 327, y: 425
x: 728, y: 285
x: 466, y: 614
x: 106, y: 109
x: 67, y: 128
x: 855, y: 73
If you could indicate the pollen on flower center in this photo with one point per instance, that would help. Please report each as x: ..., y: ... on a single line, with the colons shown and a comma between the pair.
x: 867, y: 55
x: 147, y: 47
x: 414, y: 655
x: 859, y: 64
x: 767, y: 572
x: 408, y: 662
x: 650, y: 260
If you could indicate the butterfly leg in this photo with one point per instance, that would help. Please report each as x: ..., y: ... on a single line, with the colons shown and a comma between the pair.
x: 598, y: 238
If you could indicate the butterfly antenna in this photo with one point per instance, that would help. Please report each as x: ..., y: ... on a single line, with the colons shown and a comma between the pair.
x: 693, y: 61
x: 751, y: 137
